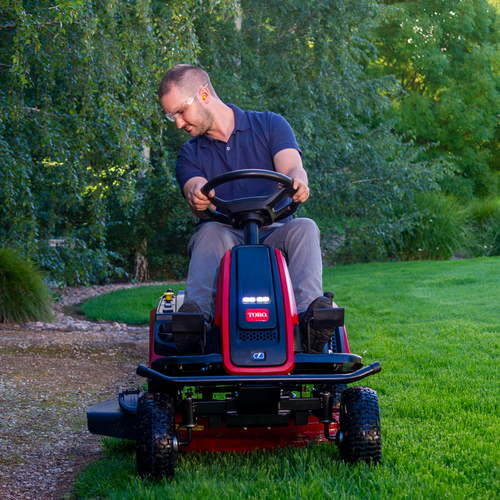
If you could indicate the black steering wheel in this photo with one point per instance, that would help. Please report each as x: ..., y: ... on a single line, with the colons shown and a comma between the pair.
x: 257, y: 208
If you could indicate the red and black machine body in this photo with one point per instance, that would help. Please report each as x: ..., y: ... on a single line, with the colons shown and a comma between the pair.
x: 255, y: 312
x: 252, y: 387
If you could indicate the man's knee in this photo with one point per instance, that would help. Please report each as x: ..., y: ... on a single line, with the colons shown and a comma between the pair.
x: 304, y: 227
x: 211, y: 235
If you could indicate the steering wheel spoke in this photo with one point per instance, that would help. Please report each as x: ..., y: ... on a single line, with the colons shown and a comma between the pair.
x: 275, y: 198
x: 217, y: 216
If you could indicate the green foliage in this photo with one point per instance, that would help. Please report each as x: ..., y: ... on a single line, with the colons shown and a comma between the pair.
x: 445, y: 55
x: 158, y: 215
x: 446, y: 226
x: 79, y: 115
x: 307, y: 61
x: 482, y: 211
x: 24, y: 296
x: 484, y: 216
x: 70, y: 261
x: 86, y: 154
x: 493, y: 235
x: 440, y: 230
x: 434, y: 328
x: 129, y: 305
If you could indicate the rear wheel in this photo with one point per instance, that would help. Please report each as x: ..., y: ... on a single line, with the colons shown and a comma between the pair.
x: 156, y: 446
x: 360, y: 426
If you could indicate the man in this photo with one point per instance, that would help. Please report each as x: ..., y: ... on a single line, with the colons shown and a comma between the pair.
x: 225, y: 138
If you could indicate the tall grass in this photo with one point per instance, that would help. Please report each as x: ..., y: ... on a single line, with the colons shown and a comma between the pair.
x: 441, y: 229
x: 24, y: 296
x: 483, y: 210
x: 435, y: 328
x: 484, y: 215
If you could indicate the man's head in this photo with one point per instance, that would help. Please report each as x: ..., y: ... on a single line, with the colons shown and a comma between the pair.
x: 185, y: 93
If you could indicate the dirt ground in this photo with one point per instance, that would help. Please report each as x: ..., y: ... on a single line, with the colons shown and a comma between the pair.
x: 48, y: 377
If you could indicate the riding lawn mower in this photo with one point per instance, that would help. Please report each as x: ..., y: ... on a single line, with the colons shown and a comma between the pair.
x: 254, y: 385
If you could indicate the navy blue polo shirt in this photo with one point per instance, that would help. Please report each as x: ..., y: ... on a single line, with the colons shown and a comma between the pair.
x: 256, y: 138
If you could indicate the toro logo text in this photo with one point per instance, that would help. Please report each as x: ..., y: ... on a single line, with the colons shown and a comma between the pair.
x: 257, y: 315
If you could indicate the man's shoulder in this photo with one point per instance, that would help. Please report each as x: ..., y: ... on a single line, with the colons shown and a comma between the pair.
x: 189, y: 147
x: 263, y: 118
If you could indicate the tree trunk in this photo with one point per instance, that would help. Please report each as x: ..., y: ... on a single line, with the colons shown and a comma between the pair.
x: 141, y: 267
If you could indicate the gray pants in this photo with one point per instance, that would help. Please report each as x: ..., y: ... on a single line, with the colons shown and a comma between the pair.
x: 298, y: 240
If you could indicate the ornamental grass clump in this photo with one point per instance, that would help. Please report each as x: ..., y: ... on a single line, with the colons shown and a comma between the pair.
x: 441, y: 229
x: 24, y: 296
x: 485, y: 217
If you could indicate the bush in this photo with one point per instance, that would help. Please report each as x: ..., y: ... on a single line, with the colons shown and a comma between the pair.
x: 493, y: 234
x: 484, y: 215
x: 24, y: 296
x: 483, y: 210
x: 70, y: 261
x: 441, y: 229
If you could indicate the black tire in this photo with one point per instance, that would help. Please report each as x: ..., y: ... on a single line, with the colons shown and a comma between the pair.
x: 156, y: 445
x: 360, y: 426
x: 335, y: 390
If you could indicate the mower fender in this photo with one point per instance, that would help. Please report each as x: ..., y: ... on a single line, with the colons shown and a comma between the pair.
x: 109, y: 419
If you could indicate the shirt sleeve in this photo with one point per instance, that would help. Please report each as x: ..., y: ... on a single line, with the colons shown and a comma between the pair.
x: 281, y: 135
x: 185, y: 168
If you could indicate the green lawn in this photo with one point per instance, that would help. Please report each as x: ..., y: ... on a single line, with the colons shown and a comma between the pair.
x: 129, y: 305
x: 435, y: 328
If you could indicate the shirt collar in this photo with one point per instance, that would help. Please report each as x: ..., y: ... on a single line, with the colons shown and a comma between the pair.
x: 241, y: 123
x: 240, y: 119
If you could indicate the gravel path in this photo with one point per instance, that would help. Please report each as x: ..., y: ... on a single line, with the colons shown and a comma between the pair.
x: 50, y: 374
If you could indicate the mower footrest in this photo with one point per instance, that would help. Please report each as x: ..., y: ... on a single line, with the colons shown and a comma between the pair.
x: 328, y: 317
x: 128, y: 398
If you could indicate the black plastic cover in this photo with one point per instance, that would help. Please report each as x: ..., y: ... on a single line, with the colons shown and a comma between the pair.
x: 257, y: 324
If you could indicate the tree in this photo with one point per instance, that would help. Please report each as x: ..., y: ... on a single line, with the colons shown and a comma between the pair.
x: 79, y: 83
x: 445, y: 54
x: 307, y: 60
x: 78, y: 89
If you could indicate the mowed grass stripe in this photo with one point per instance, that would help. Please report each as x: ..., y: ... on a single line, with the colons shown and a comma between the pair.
x: 435, y: 327
x: 129, y: 305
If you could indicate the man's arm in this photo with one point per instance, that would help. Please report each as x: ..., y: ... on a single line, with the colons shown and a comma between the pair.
x: 198, y: 202
x: 289, y: 162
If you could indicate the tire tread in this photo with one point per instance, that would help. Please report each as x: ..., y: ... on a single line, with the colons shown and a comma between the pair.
x: 360, y: 426
x: 155, y: 429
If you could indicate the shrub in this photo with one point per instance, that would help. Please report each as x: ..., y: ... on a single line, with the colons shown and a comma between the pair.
x: 484, y: 215
x: 482, y: 210
x: 70, y: 261
x: 493, y: 234
x: 24, y: 295
x: 441, y: 229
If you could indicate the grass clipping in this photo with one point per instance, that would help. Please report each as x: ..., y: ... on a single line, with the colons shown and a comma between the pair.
x: 24, y: 296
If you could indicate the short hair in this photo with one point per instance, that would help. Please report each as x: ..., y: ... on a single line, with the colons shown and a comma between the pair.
x: 187, y: 78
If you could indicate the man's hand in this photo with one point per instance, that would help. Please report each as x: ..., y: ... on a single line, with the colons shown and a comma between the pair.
x: 198, y: 201
x: 302, y: 190
x: 289, y: 162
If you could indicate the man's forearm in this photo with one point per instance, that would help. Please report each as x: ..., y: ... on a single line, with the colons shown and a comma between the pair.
x: 300, y: 173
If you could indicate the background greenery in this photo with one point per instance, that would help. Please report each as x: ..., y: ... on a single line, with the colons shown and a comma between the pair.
x: 434, y: 328
x: 390, y: 101
x: 24, y: 295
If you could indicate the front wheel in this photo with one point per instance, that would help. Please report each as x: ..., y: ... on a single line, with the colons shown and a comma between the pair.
x: 156, y: 445
x: 360, y: 426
